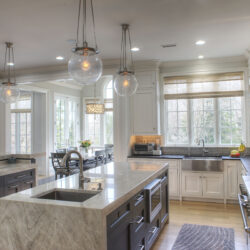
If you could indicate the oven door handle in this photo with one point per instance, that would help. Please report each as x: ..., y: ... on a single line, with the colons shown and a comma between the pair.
x: 242, y: 199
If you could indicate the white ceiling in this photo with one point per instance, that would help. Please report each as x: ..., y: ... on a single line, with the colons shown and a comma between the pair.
x: 40, y: 28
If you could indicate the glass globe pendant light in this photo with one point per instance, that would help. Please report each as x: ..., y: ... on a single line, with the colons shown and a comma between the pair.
x: 125, y: 82
x: 9, y: 90
x: 85, y: 65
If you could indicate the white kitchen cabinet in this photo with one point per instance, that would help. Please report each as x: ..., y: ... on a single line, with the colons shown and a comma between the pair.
x: 146, y: 79
x: 202, y: 185
x: 213, y: 185
x: 231, y: 171
x: 145, y: 112
x: 145, y: 105
x: 191, y: 184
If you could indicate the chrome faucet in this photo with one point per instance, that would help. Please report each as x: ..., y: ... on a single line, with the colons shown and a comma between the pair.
x: 204, y: 151
x: 81, y: 176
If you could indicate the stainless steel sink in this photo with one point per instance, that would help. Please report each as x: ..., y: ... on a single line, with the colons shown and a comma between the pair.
x: 214, y: 164
x: 63, y: 195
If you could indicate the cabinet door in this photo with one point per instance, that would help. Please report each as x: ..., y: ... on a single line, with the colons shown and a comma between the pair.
x: 232, y: 178
x: 213, y: 185
x: 145, y: 112
x: 173, y: 181
x: 119, y: 228
x: 146, y: 79
x: 191, y: 184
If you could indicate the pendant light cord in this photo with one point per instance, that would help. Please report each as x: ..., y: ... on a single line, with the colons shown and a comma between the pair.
x: 78, y: 23
x: 93, y: 20
x: 83, y: 5
x: 123, y: 55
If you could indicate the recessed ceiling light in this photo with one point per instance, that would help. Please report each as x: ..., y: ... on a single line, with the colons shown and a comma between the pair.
x: 59, y: 58
x: 10, y: 64
x: 200, y: 42
x: 200, y: 57
x: 135, y: 49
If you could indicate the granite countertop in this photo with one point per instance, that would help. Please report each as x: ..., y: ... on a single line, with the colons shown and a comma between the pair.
x: 7, y: 169
x: 120, y: 181
x: 158, y: 156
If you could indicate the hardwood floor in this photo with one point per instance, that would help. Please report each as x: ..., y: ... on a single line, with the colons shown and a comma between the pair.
x: 201, y: 213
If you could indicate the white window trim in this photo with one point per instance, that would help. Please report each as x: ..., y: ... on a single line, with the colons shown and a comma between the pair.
x: 217, y: 126
x: 67, y: 98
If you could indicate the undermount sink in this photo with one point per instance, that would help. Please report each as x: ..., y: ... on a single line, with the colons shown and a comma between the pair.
x: 63, y: 195
x: 210, y: 158
x: 214, y: 164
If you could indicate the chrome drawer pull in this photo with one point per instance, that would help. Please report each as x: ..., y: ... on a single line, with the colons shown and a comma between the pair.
x: 14, y: 186
x: 140, y: 220
x: 139, y: 197
x: 21, y: 176
x: 141, y: 247
x: 28, y: 182
x: 154, y: 230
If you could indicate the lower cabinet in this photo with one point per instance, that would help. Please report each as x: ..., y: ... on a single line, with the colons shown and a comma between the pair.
x: 202, y: 185
x: 128, y: 227
x: 17, y: 182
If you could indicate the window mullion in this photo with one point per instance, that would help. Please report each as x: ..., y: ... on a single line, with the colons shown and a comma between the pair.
x: 217, y: 121
x: 190, y: 118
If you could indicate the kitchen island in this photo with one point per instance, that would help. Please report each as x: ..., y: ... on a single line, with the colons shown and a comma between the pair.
x: 33, y: 219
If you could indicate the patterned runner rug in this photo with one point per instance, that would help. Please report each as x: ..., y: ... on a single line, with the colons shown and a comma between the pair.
x: 197, y: 237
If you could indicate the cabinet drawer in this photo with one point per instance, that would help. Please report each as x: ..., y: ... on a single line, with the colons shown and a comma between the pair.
x: 140, y: 244
x: 153, y: 232
x: 19, y: 177
x: 119, y: 216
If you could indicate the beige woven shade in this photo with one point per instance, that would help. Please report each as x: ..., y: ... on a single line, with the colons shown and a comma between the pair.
x: 204, y: 86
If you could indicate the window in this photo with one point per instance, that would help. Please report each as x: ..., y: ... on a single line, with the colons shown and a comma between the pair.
x: 177, y: 121
x: 98, y: 127
x: 108, y: 116
x: 21, y: 125
x: 67, y: 127
x: 208, y: 107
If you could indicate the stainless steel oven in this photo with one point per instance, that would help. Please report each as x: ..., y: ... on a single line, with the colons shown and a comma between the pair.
x: 154, y: 202
x: 244, y: 203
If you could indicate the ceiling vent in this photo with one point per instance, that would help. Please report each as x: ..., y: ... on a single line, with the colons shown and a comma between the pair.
x: 170, y: 45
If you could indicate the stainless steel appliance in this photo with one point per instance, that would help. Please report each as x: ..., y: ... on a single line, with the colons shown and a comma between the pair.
x: 144, y: 149
x: 154, y: 202
x: 245, y: 209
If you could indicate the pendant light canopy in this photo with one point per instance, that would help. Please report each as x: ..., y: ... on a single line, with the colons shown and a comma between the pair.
x: 9, y: 91
x: 125, y: 82
x: 85, y: 65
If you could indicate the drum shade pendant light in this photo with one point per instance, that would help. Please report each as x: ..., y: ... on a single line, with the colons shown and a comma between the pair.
x: 9, y: 91
x: 125, y: 82
x: 95, y: 108
x: 85, y: 65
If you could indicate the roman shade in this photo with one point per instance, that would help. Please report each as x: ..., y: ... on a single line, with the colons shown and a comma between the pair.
x: 204, y: 86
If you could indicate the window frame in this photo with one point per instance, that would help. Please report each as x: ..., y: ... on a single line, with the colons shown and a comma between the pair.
x: 217, y: 124
x: 67, y: 99
x: 18, y: 112
x: 102, y: 117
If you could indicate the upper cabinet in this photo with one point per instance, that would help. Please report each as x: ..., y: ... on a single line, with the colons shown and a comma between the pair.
x: 145, y: 105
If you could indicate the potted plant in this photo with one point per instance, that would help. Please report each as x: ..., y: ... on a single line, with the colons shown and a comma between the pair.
x: 85, y: 144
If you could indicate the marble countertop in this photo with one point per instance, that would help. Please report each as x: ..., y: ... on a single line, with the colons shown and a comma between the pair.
x: 7, y: 169
x: 120, y: 181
